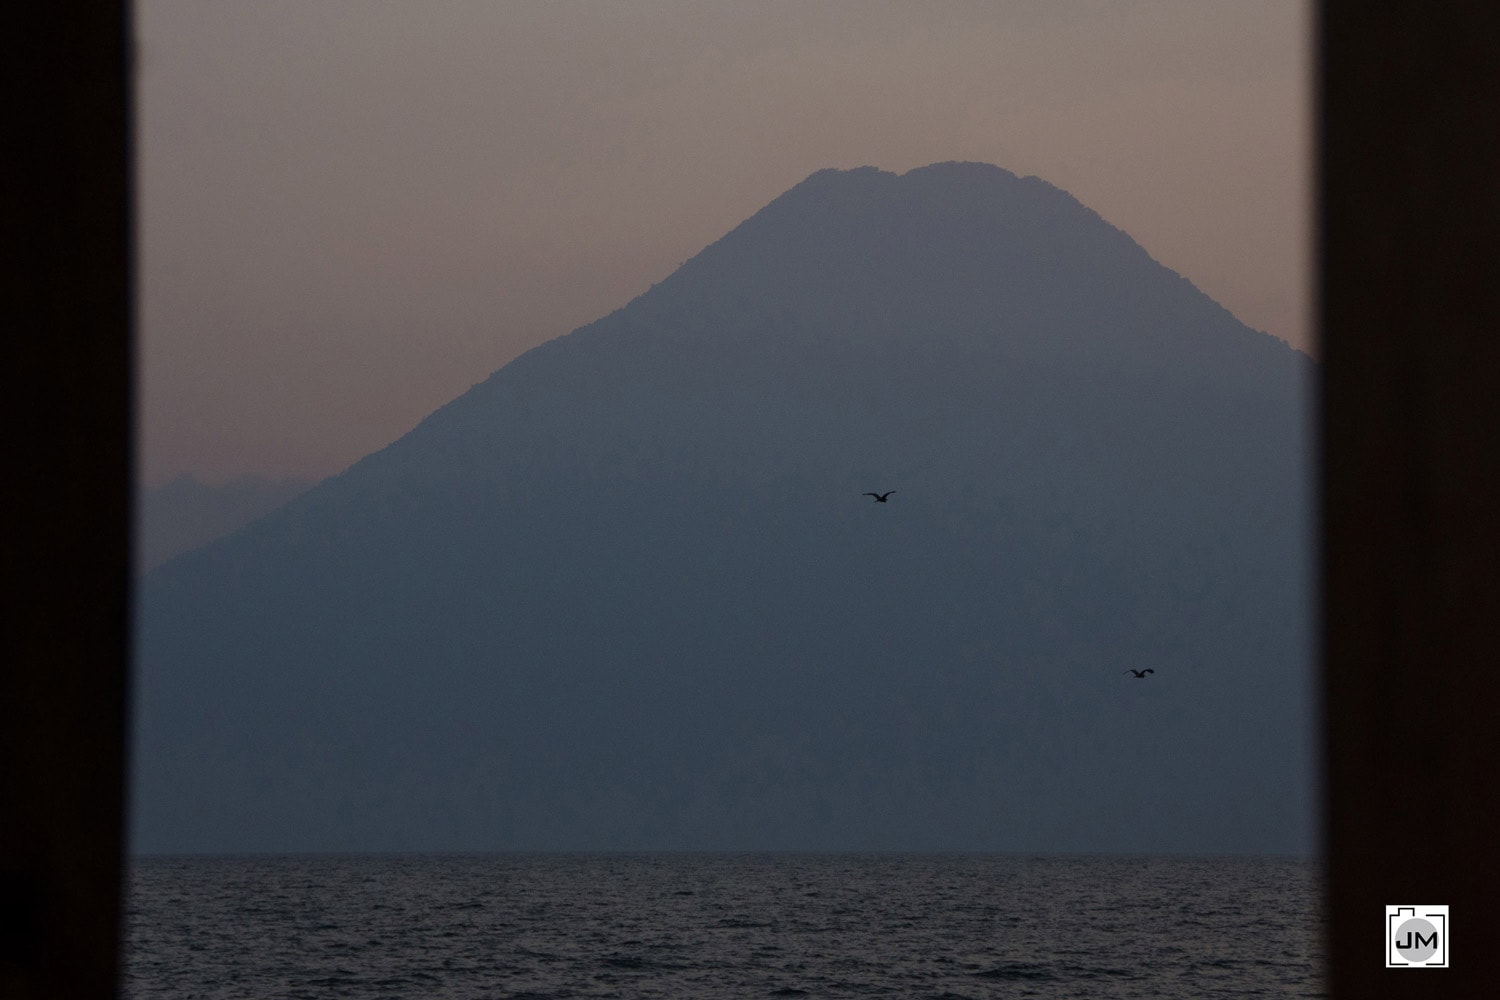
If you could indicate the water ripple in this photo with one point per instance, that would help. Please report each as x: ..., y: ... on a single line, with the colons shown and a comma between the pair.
x: 721, y: 926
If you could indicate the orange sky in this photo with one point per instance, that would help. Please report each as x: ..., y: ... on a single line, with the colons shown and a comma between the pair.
x: 352, y: 210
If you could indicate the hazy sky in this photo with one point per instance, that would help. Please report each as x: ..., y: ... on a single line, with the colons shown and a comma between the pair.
x: 352, y: 210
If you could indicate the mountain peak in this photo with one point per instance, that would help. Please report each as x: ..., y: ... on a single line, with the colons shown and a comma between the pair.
x: 952, y: 250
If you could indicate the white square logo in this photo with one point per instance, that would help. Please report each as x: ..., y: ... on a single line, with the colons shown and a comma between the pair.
x: 1416, y: 937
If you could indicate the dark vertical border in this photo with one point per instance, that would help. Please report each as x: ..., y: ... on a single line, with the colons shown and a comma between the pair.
x: 65, y: 295
x: 1410, y: 315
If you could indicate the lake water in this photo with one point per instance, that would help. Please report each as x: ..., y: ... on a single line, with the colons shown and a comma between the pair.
x: 720, y: 925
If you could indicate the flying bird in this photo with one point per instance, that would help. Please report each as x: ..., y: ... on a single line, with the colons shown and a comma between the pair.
x: 1139, y: 674
x: 879, y: 497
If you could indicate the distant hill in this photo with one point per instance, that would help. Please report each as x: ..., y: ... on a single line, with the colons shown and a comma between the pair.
x: 626, y: 593
x: 185, y: 513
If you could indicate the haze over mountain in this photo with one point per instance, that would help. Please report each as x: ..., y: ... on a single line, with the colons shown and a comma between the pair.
x: 626, y: 593
x: 183, y: 514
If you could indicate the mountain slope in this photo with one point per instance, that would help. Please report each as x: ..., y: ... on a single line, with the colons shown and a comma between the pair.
x: 625, y: 593
x: 185, y: 514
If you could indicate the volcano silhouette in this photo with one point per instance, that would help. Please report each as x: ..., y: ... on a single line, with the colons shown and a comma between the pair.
x: 618, y: 595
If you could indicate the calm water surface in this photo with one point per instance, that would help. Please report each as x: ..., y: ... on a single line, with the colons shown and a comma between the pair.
x: 715, y: 925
